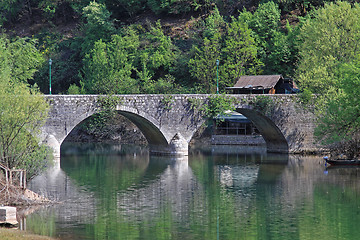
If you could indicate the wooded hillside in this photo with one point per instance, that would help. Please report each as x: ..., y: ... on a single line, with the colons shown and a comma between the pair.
x: 155, y: 46
x: 181, y: 46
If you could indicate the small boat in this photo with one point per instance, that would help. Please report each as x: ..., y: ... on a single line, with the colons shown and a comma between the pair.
x: 343, y: 162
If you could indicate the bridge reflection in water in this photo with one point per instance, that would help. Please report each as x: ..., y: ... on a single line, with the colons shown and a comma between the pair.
x: 126, y: 192
x: 80, y: 182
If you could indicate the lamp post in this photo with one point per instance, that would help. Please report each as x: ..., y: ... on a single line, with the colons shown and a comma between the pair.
x: 50, y: 62
x: 217, y: 76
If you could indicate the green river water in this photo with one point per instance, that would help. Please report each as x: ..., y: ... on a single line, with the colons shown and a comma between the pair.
x: 121, y: 192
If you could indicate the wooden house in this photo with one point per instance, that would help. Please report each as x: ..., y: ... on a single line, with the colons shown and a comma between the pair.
x: 263, y: 84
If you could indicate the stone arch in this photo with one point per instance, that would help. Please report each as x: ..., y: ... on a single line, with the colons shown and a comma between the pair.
x: 158, y: 142
x: 150, y: 127
x: 161, y: 141
x: 152, y: 133
x: 274, y: 138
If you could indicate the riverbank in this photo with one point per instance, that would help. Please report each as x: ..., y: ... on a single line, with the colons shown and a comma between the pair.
x: 15, y: 234
x: 14, y: 196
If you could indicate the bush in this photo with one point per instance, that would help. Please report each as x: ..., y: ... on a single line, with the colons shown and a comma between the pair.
x: 73, y: 90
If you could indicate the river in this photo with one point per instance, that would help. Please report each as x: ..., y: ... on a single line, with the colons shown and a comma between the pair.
x: 217, y: 192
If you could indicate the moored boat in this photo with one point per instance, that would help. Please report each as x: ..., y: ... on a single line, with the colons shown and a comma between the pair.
x: 343, y: 162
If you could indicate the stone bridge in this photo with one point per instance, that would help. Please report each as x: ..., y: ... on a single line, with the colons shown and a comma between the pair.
x: 169, y: 121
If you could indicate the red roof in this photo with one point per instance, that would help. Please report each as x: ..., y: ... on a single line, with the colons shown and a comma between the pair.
x: 260, y: 81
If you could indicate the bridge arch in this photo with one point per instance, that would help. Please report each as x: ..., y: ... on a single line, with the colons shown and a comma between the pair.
x: 274, y: 138
x: 159, y: 141
x: 152, y: 133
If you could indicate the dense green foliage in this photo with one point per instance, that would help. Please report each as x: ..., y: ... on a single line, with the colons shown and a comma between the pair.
x: 339, y: 111
x: 229, y: 43
x: 106, y: 55
x: 329, y: 66
x: 22, y: 110
x: 218, y: 105
x: 118, y: 48
x: 330, y: 38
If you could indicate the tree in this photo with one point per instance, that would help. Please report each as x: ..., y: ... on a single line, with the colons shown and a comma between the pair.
x: 213, y: 24
x: 329, y: 66
x: 20, y: 58
x: 107, y: 69
x: 9, y: 9
x: 331, y: 37
x: 22, y: 110
x: 283, y: 52
x: 239, y: 53
x: 230, y: 43
x: 339, y: 114
x: 159, y: 50
x: 22, y: 114
x: 265, y: 21
x: 203, y: 65
x: 133, y: 61
x: 98, y: 26
x: 276, y: 47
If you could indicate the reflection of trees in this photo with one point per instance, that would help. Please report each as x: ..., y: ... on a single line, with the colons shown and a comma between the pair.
x: 107, y: 168
x: 88, y: 182
x: 232, y: 195
x: 304, y: 202
x: 149, y: 208
x: 75, y: 204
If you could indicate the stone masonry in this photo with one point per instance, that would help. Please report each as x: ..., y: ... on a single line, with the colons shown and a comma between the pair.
x: 169, y: 121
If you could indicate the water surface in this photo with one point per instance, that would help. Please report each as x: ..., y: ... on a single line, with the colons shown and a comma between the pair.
x: 120, y: 192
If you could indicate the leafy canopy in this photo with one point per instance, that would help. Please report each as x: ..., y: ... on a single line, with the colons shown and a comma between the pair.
x: 329, y: 66
x: 230, y: 43
x: 22, y: 110
x: 329, y: 38
x: 129, y: 62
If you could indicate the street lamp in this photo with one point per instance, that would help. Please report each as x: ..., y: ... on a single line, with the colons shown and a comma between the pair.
x: 217, y: 76
x: 50, y: 62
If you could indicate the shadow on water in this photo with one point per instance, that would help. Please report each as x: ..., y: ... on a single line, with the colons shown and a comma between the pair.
x: 251, y: 154
x: 70, y: 149
x: 110, y: 168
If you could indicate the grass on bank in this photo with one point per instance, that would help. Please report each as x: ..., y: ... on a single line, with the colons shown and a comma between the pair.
x: 15, y: 234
